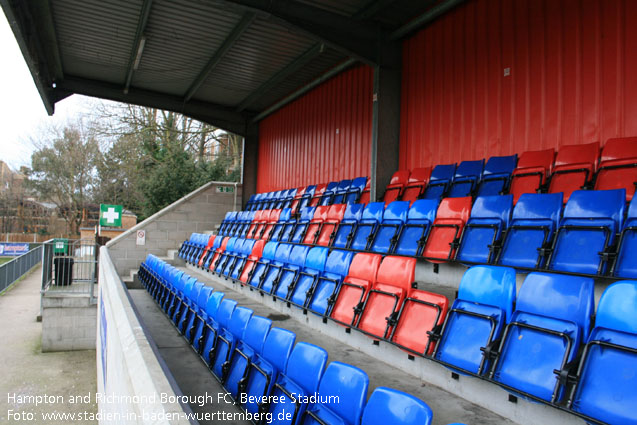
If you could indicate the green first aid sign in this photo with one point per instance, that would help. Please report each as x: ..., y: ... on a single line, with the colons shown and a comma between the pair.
x: 111, y: 215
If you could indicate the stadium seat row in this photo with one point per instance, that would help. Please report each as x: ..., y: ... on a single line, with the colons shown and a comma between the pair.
x: 538, y: 233
x: 573, y: 168
x: 263, y: 369
x: 538, y: 344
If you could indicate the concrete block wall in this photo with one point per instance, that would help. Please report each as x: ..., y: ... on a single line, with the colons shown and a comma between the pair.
x: 68, y: 322
x: 199, y: 211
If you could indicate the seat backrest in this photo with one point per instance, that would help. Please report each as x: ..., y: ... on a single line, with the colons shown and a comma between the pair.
x: 387, y: 406
x: 586, y: 154
x: 616, y: 308
x: 224, y: 313
x: 568, y: 298
x: 538, y: 206
x: 531, y: 172
x: 212, y: 304
x: 394, y: 217
x: 277, y: 347
x: 443, y: 172
x: 328, y: 194
x: 575, y: 166
x: 489, y: 285
x: 256, y: 332
x: 372, y: 215
x: 348, y: 387
x: 454, y: 208
x: 297, y: 255
x: 365, y: 266
x: 497, y: 206
x: 306, y: 365
x: 467, y: 176
x: 500, y: 165
x: 239, y: 320
x: 338, y: 262
x: 397, y: 271
x: 423, y: 209
x: 618, y: 166
x: 451, y: 217
x: 341, y: 190
x: 282, y: 254
x: 608, y: 204
x: 394, y: 189
x: 400, y: 177
x: 319, y: 190
x: 421, y: 215
x: 269, y: 250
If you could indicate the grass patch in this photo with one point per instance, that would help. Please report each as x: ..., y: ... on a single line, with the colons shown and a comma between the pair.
x: 5, y: 260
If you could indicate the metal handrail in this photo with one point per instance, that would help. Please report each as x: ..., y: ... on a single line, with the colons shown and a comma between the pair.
x: 13, y: 270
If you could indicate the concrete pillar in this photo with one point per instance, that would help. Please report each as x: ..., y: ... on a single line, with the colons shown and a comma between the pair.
x: 386, y: 117
x: 250, y: 161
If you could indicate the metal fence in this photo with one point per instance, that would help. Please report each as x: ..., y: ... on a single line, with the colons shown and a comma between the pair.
x: 18, y: 267
x: 69, y: 266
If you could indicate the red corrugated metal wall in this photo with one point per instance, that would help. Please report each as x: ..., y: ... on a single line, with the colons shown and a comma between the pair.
x: 322, y: 136
x: 573, y: 79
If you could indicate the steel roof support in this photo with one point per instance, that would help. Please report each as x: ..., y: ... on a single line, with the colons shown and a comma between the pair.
x: 139, y: 34
x: 424, y: 19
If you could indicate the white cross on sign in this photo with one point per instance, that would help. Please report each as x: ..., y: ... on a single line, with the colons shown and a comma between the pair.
x: 111, y: 215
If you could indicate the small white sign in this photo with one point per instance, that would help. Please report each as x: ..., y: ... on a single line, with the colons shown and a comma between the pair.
x: 141, y: 237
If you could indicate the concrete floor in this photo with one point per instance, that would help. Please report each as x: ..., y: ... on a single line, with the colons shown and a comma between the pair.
x: 193, y: 377
x: 26, y: 371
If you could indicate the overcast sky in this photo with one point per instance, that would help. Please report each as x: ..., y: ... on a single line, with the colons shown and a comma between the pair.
x: 22, y: 112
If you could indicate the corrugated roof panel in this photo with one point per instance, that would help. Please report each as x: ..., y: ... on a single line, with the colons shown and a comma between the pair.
x: 342, y: 7
x: 95, y: 36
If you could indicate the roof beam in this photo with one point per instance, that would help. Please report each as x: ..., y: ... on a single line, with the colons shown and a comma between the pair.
x: 236, y: 33
x: 424, y: 19
x: 353, y: 38
x: 290, y: 69
x: 372, y: 9
x: 217, y: 115
x: 137, y: 47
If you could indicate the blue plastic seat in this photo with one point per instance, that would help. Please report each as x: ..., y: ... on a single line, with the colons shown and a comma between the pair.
x: 250, y: 202
x: 257, y: 274
x: 300, y: 292
x: 347, y: 226
x: 275, y: 267
x: 587, y: 230
x: 484, y: 304
x: 387, y: 406
x: 625, y: 264
x: 327, y: 197
x: 279, y: 227
x: 227, y: 339
x: 607, y: 374
x: 301, y: 377
x: 208, y: 317
x: 227, y: 222
x: 355, y: 190
x: 440, y: 181
x: 386, y: 236
x: 307, y: 214
x: 190, y: 319
x: 216, y: 323
x: 246, y: 350
x: 497, y: 175
x: 234, y: 267
x: 236, y: 223
x: 413, y: 235
x: 343, y: 391
x: 467, y: 178
x: 290, y: 271
x: 323, y: 295
x: 340, y: 193
x: 265, y: 368
x: 367, y: 226
x: 211, y: 253
x: 552, y: 318
x: 532, y: 228
x: 490, y: 217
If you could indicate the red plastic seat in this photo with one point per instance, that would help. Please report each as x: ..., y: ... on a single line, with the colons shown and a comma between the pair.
x: 420, y: 313
x: 255, y: 255
x: 361, y: 275
x: 334, y: 216
x: 266, y: 229
x: 381, y: 307
x: 618, y: 167
x: 318, y: 194
x: 211, y: 241
x: 574, y: 168
x: 218, y: 253
x: 394, y: 189
x: 446, y: 230
x: 531, y: 173
x: 294, y: 206
x: 314, y: 227
x: 417, y: 183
